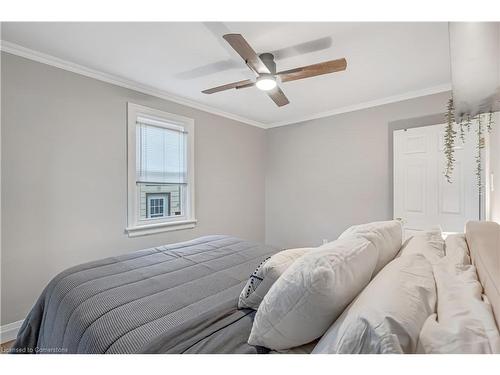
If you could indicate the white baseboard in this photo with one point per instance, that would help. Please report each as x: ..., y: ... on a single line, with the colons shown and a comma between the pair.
x: 9, y: 331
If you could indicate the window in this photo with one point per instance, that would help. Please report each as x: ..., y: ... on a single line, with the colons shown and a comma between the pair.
x: 158, y: 205
x: 160, y: 171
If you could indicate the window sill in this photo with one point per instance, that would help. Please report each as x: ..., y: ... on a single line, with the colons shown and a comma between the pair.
x: 144, y: 230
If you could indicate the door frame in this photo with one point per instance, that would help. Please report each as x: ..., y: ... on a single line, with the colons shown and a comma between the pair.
x: 419, y: 122
x: 416, y: 122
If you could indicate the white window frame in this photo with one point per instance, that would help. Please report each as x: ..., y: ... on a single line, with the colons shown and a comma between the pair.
x: 135, y: 226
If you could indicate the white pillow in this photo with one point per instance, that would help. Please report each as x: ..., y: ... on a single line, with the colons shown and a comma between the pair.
x: 429, y: 243
x: 303, y: 349
x: 312, y: 292
x: 386, y: 236
x: 388, y: 314
x: 464, y: 322
x: 456, y: 249
x: 265, y: 276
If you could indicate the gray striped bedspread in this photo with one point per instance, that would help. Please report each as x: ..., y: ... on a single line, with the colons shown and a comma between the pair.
x: 180, y: 298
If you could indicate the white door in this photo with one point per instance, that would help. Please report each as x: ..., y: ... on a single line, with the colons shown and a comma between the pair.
x: 422, y: 196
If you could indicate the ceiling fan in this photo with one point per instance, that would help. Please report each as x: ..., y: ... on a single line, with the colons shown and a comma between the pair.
x: 264, y: 67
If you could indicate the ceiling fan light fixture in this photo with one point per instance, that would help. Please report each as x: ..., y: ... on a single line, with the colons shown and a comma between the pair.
x: 266, y: 82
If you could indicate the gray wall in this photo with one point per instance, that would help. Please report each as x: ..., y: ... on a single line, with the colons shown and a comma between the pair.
x: 327, y: 174
x: 64, y: 198
x: 64, y: 175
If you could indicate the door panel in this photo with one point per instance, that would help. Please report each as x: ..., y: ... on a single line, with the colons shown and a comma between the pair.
x: 415, y: 144
x: 414, y: 190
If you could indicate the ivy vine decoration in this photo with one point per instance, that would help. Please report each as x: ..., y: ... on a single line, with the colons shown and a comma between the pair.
x: 450, y: 135
x: 479, y: 147
x: 449, y: 140
x: 468, y: 123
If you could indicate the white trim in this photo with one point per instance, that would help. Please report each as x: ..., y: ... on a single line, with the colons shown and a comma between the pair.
x: 188, y: 219
x: 489, y: 187
x: 1, y: 125
x: 373, y: 103
x: 43, y: 58
x: 8, y: 332
x: 160, y: 227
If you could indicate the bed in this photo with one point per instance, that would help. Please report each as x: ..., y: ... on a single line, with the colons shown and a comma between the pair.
x: 183, y: 298
x: 180, y: 298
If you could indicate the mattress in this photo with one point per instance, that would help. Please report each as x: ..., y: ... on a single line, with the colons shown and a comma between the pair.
x: 179, y: 298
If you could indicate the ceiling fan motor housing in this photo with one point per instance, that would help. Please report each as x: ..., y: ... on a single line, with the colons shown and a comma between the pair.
x: 268, y: 60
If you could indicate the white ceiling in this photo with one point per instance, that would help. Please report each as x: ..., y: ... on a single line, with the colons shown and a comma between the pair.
x: 385, y: 60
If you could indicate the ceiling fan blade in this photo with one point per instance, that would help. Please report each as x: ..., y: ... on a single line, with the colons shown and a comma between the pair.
x: 278, y: 97
x: 245, y: 86
x: 247, y: 53
x: 303, y: 48
x: 229, y: 86
x: 313, y: 70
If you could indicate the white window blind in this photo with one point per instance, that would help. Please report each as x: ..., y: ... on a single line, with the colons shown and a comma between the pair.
x: 161, y: 152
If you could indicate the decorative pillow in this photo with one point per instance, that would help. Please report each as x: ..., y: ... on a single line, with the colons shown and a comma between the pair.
x: 388, y: 314
x: 264, y: 276
x: 312, y: 292
x: 464, y: 322
x: 386, y: 236
x: 429, y: 243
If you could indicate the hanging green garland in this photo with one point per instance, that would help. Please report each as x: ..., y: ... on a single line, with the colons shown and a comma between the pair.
x: 468, y: 123
x: 450, y: 138
x: 480, y: 146
x: 490, y: 121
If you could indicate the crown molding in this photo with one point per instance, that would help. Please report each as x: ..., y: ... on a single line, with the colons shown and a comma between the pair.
x: 373, y: 103
x: 43, y: 58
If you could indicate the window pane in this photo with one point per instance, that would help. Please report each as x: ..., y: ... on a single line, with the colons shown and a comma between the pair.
x: 160, y: 200
x: 161, y: 154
